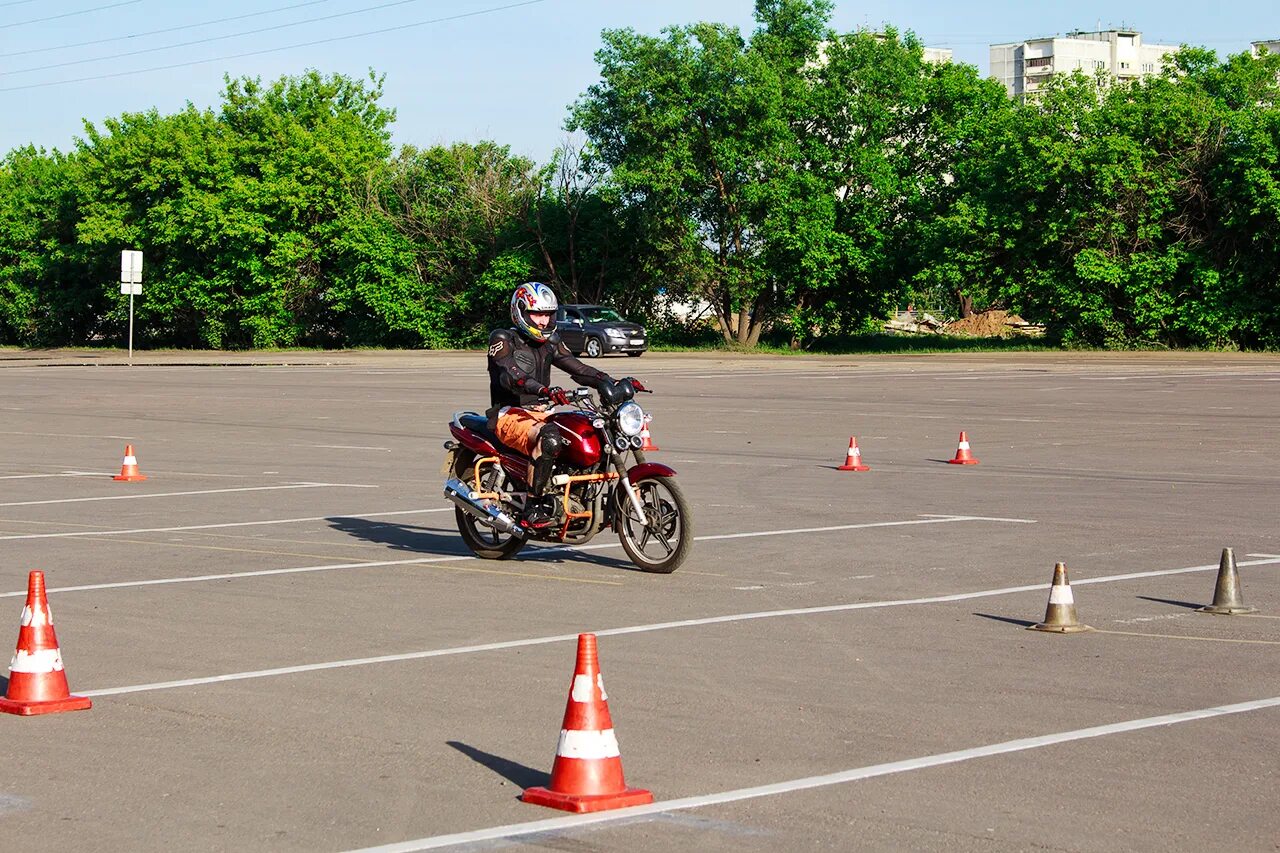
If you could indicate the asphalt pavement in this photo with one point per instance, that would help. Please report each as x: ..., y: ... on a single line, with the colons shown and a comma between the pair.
x: 289, y: 649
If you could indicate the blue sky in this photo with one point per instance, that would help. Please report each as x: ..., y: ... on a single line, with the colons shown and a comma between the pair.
x: 506, y: 74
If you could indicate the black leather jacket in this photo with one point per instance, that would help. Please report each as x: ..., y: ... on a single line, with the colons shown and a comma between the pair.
x: 520, y: 372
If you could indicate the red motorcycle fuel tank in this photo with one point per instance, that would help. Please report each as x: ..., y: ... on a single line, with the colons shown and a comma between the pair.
x: 583, y: 449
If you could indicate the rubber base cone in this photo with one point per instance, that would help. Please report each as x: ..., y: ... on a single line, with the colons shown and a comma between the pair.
x: 646, y: 441
x: 1060, y: 616
x: 587, y: 775
x: 853, y: 459
x: 1228, y: 598
x: 963, y: 456
x: 37, y: 681
x: 129, y: 467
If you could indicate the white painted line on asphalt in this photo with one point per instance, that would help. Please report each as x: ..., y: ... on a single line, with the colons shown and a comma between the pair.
x: 201, y: 492
x: 982, y: 518
x: 633, y: 629
x: 256, y: 574
x: 81, y: 533
x: 516, y: 830
x: 63, y: 474
x: 66, y: 435
x: 932, y: 519
x: 452, y: 558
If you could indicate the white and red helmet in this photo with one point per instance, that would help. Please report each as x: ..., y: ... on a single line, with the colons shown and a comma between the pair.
x: 531, y: 297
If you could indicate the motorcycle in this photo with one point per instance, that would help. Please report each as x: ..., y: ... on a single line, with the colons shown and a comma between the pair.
x: 601, y: 479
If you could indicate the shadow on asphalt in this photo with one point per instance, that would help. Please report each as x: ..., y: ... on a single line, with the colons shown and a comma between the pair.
x: 1024, y: 623
x: 424, y: 540
x: 401, y: 537
x: 513, y: 772
x: 1173, y: 601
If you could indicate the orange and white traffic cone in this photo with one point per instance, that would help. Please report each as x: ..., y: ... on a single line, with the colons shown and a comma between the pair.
x: 587, y: 775
x: 37, y: 682
x: 646, y: 443
x: 853, y: 459
x: 129, y: 467
x: 963, y: 456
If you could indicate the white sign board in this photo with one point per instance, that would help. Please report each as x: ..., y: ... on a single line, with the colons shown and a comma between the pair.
x: 131, y: 269
x: 131, y: 287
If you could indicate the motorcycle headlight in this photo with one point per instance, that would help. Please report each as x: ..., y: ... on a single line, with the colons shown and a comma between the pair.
x: 630, y: 419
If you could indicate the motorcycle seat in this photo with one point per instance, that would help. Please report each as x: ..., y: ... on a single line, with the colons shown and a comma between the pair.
x: 479, y: 424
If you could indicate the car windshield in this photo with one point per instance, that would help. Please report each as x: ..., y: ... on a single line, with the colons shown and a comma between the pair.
x: 602, y: 315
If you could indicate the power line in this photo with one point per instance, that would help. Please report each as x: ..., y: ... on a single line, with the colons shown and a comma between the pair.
x: 275, y: 49
x: 160, y: 32
x: 210, y: 38
x: 17, y: 3
x: 68, y: 14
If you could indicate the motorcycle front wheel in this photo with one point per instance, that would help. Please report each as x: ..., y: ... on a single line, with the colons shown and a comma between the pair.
x: 661, y: 540
x: 483, y: 541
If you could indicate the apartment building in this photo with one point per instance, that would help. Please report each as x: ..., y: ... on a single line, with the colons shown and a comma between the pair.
x: 938, y: 55
x: 1024, y: 67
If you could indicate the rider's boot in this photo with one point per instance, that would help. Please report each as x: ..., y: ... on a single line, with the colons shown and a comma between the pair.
x: 542, y: 509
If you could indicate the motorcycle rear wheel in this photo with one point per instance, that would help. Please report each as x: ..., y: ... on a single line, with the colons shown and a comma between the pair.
x: 483, y: 541
x: 661, y: 542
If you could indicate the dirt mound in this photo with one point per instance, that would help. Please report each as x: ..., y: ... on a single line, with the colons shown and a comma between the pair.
x: 988, y: 324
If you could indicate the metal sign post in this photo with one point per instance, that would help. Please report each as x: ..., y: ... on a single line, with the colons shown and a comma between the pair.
x: 131, y: 283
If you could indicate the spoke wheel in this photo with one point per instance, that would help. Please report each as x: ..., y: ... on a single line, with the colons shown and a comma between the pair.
x: 484, y: 541
x: 661, y: 540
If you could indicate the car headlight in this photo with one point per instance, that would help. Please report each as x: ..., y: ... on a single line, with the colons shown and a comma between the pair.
x: 630, y: 418
x: 615, y: 333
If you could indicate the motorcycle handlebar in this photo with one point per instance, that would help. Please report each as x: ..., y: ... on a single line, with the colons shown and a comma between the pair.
x: 575, y: 394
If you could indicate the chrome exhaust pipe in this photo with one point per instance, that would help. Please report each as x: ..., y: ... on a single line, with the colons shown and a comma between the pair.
x: 461, y: 495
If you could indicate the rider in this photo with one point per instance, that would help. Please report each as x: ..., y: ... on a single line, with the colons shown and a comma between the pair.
x: 520, y: 362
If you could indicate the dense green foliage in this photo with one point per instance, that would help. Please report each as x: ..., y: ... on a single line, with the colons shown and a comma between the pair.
x: 792, y: 182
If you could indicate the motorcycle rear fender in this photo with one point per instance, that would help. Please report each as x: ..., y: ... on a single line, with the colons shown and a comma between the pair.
x: 472, y: 442
x: 649, y: 469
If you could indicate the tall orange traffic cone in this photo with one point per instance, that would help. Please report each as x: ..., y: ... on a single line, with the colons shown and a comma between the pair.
x: 646, y: 443
x: 37, y: 682
x: 587, y: 775
x: 1060, y: 616
x: 963, y: 456
x: 853, y: 459
x: 129, y: 467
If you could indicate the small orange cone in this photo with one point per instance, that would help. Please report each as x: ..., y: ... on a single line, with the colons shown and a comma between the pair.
x: 1060, y: 616
x: 853, y: 459
x: 129, y: 468
x: 587, y: 775
x: 37, y: 682
x: 645, y: 442
x: 963, y: 456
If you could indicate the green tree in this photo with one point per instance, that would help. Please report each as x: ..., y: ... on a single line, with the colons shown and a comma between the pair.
x: 693, y: 131
x: 885, y: 134
x: 452, y: 242
x: 42, y: 297
x: 237, y: 211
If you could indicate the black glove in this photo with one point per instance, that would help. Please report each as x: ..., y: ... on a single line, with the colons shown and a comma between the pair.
x: 635, y: 383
